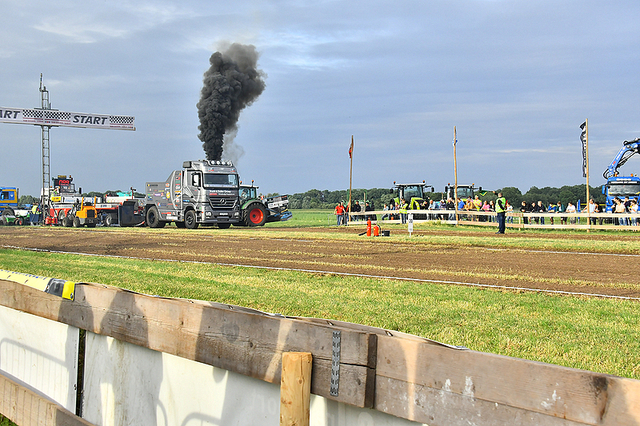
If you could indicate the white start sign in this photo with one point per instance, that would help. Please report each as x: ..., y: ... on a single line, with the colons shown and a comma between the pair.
x: 53, y: 118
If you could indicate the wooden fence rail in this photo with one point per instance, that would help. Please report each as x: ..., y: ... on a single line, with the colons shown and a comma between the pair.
x: 405, y: 376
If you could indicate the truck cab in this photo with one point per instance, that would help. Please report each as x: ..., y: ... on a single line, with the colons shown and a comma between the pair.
x: 620, y: 187
x: 202, y: 192
x: 8, y: 200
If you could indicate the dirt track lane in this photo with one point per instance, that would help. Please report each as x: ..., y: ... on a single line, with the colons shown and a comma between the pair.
x: 572, y: 272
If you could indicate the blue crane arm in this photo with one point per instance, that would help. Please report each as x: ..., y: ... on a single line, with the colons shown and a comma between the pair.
x: 629, y: 148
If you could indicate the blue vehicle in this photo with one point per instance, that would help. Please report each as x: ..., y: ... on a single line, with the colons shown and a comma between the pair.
x: 8, y: 200
x: 621, y: 186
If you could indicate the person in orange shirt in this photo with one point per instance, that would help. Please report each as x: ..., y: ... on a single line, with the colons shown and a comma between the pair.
x: 340, y: 213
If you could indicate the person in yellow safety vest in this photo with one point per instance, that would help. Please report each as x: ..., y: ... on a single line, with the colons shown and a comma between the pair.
x: 501, y: 208
x: 477, y: 205
x: 403, y: 210
x: 34, y: 218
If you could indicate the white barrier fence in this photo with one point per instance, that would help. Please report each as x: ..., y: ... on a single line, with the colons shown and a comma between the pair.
x: 149, y: 360
x: 606, y: 221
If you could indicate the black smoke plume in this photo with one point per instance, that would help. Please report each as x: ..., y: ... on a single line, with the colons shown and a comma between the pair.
x: 231, y: 83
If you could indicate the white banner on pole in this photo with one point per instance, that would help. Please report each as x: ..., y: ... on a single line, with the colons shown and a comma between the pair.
x: 52, y: 117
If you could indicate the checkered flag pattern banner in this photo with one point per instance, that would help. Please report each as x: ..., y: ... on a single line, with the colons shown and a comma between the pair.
x: 50, y: 117
x: 583, y: 141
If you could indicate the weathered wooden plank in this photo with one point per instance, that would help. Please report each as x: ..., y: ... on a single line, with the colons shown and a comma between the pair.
x: 404, y: 372
x: 440, y: 407
x: 236, y: 339
x: 25, y: 407
x: 580, y: 396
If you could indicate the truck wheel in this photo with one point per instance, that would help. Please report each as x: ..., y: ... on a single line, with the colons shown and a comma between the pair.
x: 76, y: 222
x: 18, y: 221
x: 108, y: 220
x: 256, y: 215
x: 190, y: 220
x: 153, y: 218
x: 8, y: 211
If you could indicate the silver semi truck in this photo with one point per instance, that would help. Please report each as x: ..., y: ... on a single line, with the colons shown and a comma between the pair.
x: 203, y: 192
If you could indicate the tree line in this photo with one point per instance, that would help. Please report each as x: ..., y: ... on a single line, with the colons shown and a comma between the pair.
x: 377, y: 197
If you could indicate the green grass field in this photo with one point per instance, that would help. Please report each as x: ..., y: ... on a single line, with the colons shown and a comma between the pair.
x: 592, y: 334
x: 600, y: 335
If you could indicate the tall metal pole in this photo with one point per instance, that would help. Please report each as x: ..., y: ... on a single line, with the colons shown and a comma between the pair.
x: 586, y: 122
x: 455, y: 171
x: 46, y: 159
x: 350, y: 179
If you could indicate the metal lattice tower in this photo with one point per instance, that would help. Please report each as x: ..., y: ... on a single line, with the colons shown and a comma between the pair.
x: 46, y: 118
x: 46, y: 160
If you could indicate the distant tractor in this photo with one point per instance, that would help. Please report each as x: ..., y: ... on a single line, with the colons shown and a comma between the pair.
x: 414, y: 194
x: 464, y: 191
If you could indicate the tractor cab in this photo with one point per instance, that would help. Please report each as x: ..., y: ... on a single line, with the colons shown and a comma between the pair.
x: 248, y: 192
x: 464, y: 191
x: 414, y: 194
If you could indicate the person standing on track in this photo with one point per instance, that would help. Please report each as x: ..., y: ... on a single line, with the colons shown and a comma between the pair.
x: 501, y: 207
x: 340, y: 213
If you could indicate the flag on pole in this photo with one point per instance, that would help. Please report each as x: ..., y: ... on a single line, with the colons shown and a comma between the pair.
x: 583, y: 139
x: 351, y: 148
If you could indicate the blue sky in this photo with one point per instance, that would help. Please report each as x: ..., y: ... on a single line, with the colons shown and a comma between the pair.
x: 516, y: 78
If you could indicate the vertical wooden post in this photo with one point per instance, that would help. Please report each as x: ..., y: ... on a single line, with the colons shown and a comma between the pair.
x: 295, y: 389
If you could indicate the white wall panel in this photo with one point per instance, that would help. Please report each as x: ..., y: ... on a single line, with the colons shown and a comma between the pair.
x: 129, y: 385
x: 41, y: 353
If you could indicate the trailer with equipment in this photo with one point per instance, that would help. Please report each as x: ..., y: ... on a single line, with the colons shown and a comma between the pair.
x: 203, y: 192
x: 122, y: 209
x: 67, y: 207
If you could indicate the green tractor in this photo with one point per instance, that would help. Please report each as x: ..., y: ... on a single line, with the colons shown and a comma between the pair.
x: 414, y: 194
x: 257, y: 210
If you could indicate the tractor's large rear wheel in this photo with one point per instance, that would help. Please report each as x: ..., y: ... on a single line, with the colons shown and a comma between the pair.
x: 256, y: 215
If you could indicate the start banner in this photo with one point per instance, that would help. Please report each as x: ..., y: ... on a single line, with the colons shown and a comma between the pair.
x: 54, y: 118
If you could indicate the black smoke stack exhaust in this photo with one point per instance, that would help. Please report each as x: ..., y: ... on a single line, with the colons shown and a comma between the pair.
x: 231, y: 83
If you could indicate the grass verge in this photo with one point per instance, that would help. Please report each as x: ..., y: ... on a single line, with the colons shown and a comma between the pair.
x: 592, y: 334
